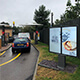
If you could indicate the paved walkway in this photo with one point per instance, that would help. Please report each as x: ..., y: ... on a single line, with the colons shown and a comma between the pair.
x: 5, y: 47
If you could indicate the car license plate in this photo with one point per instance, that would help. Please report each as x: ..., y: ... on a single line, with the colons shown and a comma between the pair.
x: 20, y: 44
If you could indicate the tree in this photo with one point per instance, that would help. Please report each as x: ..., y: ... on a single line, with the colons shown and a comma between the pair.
x: 26, y: 29
x: 57, y: 22
x: 69, y: 4
x: 68, y: 13
x: 5, y: 23
x: 41, y: 17
x: 71, y: 12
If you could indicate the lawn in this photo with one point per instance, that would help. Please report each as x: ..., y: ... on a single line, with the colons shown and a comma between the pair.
x: 50, y: 74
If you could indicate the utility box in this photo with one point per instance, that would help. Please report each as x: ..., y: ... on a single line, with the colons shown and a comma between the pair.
x: 0, y: 42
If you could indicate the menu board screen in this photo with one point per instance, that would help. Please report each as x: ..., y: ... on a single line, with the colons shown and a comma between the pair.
x: 69, y: 41
x: 54, y: 40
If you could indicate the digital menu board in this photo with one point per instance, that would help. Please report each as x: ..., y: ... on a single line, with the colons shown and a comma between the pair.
x: 69, y: 41
x: 54, y: 40
x: 63, y: 40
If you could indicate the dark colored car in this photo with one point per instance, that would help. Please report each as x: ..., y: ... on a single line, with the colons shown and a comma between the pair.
x: 11, y: 39
x: 21, y: 45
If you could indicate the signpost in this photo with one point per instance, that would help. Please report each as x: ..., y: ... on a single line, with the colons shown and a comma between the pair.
x: 51, y: 19
x: 0, y: 42
x: 13, y: 32
x: 3, y: 35
x: 63, y: 41
x: 13, y: 23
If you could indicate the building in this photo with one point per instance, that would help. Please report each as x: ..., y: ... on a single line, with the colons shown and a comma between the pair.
x: 8, y: 29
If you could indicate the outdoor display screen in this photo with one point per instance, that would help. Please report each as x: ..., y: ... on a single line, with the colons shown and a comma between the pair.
x: 69, y: 41
x: 55, y: 41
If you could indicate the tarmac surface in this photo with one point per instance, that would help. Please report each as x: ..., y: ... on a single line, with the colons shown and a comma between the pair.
x: 18, y: 66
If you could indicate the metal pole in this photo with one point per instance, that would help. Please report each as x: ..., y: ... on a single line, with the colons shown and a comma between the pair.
x: 36, y: 37
x: 61, y: 57
x: 13, y: 28
x: 61, y: 61
x: 51, y: 19
x: 3, y: 35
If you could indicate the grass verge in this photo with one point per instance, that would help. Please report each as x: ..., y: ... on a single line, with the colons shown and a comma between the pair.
x: 49, y: 74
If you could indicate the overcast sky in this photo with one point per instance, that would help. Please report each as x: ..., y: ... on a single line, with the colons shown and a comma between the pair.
x: 22, y: 11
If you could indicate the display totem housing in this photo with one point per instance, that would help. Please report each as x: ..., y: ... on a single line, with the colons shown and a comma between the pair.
x: 65, y: 41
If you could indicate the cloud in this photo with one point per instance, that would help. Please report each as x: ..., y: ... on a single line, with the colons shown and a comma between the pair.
x: 22, y: 11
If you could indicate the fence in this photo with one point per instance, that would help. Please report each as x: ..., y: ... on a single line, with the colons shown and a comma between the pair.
x: 72, y: 22
x: 44, y: 35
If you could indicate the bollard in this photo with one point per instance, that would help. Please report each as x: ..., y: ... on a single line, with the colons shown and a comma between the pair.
x: 0, y: 42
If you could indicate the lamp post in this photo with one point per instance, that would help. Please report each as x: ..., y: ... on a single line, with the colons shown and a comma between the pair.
x: 13, y: 28
x: 36, y: 35
x: 3, y: 35
x: 51, y: 19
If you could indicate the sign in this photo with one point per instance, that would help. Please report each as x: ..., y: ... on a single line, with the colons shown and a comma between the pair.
x: 38, y: 36
x: 69, y: 41
x: 3, y: 33
x: 36, y: 32
x: 66, y: 43
x: 54, y: 42
x: 13, y: 23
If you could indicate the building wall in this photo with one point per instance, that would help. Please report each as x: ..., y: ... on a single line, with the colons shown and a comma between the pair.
x: 0, y: 32
x: 6, y: 31
x: 9, y: 31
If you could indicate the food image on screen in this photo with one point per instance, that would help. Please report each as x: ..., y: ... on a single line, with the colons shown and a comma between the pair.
x: 69, y: 45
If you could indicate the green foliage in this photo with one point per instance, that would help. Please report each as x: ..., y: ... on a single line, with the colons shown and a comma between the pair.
x: 28, y: 29
x: 71, y: 12
x: 5, y: 23
x: 57, y: 22
x: 51, y: 56
x: 44, y: 78
x: 41, y: 17
x: 68, y: 3
x: 17, y: 29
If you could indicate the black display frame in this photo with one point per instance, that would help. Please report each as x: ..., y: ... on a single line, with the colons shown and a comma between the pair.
x: 49, y: 40
x: 77, y: 43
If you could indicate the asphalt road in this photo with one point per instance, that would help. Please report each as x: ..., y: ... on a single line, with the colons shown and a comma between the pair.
x: 17, y: 66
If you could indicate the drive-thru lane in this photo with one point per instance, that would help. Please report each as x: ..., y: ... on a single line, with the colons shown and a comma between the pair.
x: 20, y: 68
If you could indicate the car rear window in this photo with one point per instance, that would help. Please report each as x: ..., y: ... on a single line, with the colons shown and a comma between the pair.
x: 23, y: 35
x: 20, y: 40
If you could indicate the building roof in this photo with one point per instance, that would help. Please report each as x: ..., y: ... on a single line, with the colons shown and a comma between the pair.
x: 5, y: 25
x: 32, y: 24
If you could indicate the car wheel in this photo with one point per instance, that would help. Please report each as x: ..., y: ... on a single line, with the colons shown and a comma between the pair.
x: 28, y: 49
x: 13, y: 51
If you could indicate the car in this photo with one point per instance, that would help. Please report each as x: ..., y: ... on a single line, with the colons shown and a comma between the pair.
x: 21, y: 44
x: 26, y: 35
x: 11, y: 39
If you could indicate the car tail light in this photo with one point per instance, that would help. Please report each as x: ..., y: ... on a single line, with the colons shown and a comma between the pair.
x: 12, y: 44
x: 27, y: 44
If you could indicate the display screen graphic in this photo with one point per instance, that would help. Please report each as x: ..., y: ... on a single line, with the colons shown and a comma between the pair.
x: 55, y: 41
x: 69, y: 41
